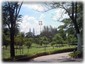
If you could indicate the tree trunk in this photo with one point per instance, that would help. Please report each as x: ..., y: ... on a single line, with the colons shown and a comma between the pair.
x: 79, y: 45
x: 12, y: 29
x: 12, y: 51
x: 74, y: 20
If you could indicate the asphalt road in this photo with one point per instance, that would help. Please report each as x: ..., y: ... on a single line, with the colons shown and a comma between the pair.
x: 60, y: 57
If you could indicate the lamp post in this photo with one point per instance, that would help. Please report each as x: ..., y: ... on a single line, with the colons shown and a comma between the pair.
x: 40, y: 23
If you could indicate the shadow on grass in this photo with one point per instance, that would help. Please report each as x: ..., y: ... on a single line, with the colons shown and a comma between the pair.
x: 26, y: 58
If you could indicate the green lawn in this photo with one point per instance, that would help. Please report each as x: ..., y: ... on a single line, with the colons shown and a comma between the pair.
x: 34, y: 50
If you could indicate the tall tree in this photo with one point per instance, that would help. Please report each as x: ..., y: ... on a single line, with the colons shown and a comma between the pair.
x: 49, y: 32
x: 29, y: 34
x: 10, y: 12
x: 74, y: 20
x: 58, y: 39
x: 44, y: 41
x: 72, y: 9
x: 66, y: 29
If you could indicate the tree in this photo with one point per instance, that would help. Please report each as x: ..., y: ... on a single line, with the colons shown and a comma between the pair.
x: 68, y: 26
x: 29, y: 34
x: 6, y: 40
x: 36, y: 40
x: 58, y: 39
x: 73, y: 15
x: 45, y: 41
x: 40, y: 41
x: 62, y: 33
x: 71, y: 40
x: 28, y: 43
x: 49, y: 32
x: 66, y: 29
x: 10, y: 12
x: 53, y: 43
x: 19, y: 42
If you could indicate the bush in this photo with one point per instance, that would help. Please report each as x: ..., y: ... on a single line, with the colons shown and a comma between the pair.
x: 76, y: 54
x: 62, y: 50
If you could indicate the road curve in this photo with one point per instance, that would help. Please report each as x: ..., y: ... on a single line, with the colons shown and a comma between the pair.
x: 60, y: 57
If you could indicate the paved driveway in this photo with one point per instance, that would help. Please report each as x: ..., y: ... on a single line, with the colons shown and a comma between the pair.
x: 60, y: 57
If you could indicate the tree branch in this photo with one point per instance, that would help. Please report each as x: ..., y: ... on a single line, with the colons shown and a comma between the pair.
x: 18, y: 10
x: 67, y: 12
x: 8, y: 26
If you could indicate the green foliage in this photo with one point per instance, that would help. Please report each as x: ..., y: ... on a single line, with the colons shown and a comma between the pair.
x: 10, y: 13
x: 58, y: 39
x: 29, y: 34
x: 44, y: 40
x: 19, y: 40
x: 72, y: 39
x: 28, y: 42
x: 48, y: 31
x: 6, y: 40
x: 76, y: 54
x: 38, y: 51
x: 53, y: 43
x: 48, y: 35
x: 38, y: 41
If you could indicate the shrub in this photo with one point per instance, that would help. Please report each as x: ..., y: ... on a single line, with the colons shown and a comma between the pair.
x: 76, y: 54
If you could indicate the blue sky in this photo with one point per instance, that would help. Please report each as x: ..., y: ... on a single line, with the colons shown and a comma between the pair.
x: 31, y: 17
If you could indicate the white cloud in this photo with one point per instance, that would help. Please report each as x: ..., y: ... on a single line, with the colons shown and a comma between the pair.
x: 60, y: 14
x: 35, y: 6
x: 30, y: 22
x: 42, y: 16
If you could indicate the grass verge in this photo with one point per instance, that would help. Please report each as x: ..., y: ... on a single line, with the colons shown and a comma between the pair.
x: 36, y: 52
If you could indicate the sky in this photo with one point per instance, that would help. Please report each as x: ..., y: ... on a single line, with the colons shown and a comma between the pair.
x: 32, y: 14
